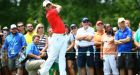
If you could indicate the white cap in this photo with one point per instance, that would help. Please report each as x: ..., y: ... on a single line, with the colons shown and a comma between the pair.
x: 13, y: 26
x: 5, y: 28
x: 115, y: 28
x: 46, y: 2
x: 121, y: 20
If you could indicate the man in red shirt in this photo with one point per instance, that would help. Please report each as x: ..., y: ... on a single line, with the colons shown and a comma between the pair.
x: 58, y: 41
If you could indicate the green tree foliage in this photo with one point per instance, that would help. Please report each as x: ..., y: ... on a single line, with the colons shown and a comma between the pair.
x: 73, y: 10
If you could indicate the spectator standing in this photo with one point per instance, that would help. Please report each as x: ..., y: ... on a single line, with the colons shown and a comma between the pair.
x: 123, y: 39
x: 70, y: 57
x: 21, y: 29
x: 97, y: 43
x: 4, y: 61
x: 109, y: 54
x: 85, y: 48
x: 137, y: 43
x: 5, y: 31
x: 1, y: 42
x: 13, y: 43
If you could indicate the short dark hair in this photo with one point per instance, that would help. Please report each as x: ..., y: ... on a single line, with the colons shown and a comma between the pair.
x: 66, y: 26
x: 35, y: 37
x: 110, y: 32
x: 20, y: 23
x: 48, y: 5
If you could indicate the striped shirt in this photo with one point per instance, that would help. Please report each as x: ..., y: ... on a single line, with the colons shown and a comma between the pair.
x: 42, y: 42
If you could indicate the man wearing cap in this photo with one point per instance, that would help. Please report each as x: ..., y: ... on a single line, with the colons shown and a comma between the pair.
x: 58, y: 49
x: 13, y: 43
x: 5, y: 31
x: 85, y: 56
x: 97, y: 43
x: 123, y: 39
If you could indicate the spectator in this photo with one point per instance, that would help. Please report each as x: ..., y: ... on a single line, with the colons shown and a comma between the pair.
x: 4, y: 60
x: 108, y: 49
x: 5, y: 31
x: 30, y: 33
x: 43, y: 41
x: 97, y: 42
x: 70, y: 57
x: 85, y: 51
x: 1, y: 41
x: 50, y: 32
x: 34, y: 61
x: 21, y: 28
x: 137, y: 43
x: 123, y: 39
x: 107, y: 27
x: 134, y: 49
x: 74, y: 29
x: 13, y: 43
x: 127, y: 23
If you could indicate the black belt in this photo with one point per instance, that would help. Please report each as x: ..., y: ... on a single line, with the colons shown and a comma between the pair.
x: 85, y: 46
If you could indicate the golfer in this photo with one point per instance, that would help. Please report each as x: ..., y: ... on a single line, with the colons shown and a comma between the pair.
x: 59, y: 43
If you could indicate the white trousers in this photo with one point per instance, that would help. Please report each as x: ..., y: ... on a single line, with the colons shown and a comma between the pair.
x: 110, y: 65
x: 57, y: 50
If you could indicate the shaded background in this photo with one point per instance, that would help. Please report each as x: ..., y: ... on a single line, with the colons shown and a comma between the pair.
x: 12, y: 11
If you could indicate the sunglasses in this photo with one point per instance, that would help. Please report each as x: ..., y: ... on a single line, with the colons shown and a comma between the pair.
x: 20, y: 26
x: 85, y: 21
x: 100, y: 24
x: 40, y: 27
x: 73, y: 27
x: 29, y: 26
x: 14, y: 29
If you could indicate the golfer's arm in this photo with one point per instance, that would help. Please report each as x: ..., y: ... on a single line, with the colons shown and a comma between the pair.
x: 58, y: 7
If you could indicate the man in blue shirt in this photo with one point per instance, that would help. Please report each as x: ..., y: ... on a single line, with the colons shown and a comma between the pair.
x: 123, y: 39
x: 34, y: 56
x: 13, y: 43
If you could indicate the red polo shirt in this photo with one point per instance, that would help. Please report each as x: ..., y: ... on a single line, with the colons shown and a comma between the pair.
x: 55, y: 21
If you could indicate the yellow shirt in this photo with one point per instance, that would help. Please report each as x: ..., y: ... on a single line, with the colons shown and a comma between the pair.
x: 29, y: 37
